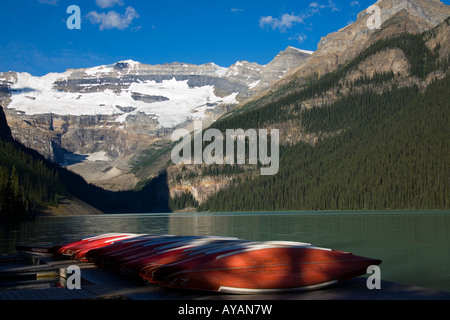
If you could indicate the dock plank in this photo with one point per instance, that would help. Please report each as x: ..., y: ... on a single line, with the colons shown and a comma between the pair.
x: 46, y: 294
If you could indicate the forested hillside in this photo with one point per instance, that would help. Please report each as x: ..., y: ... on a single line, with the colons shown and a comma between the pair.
x: 393, y: 154
x: 26, y: 184
x: 380, y: 146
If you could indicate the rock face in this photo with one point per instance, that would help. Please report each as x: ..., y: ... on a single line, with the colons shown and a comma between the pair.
x: 97, y: 120
x: 397, y: 16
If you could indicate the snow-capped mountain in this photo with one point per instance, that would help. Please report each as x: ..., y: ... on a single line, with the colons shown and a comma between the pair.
x: 170, y: 102
x: 170, y: 94
x: 101, y: 117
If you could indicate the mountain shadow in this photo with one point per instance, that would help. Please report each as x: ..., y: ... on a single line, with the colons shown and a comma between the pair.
x: 5, y: 131
x: 30, y: 183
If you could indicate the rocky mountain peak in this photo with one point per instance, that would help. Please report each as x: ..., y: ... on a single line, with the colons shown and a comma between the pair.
x: 397, y: 17
x: 289, y: 58
x: 432, y: 12
x: 420, y: 15
x: 282, y: 64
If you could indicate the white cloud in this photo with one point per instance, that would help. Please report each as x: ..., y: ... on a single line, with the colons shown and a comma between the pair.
x: 299, y: 37
x: 52, y: 2
x: 237, y: 10
x: 315, y: 6
x: 108, y: 3
x: 332, y: 6
x: 286, y: 21
x: 113, y: 19
x: 354, y: 3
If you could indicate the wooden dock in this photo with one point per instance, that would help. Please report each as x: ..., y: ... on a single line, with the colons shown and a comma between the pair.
x: 37, y: 279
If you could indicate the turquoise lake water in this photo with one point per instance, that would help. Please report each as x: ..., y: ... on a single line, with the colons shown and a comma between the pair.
x: 414, y: 246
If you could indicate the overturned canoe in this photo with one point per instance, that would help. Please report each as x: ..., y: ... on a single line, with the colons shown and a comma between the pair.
x: 218, y: 264
x: 167, y: 254
x: 265, y: 269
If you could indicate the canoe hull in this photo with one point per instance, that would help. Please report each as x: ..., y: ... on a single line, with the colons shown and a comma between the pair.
x: 271, y: 271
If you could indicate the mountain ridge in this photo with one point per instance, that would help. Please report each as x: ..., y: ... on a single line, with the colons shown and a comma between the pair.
x: 340, y: 46
x: 99, y: 120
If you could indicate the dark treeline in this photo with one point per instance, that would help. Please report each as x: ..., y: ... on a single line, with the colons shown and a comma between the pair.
x: 185, y: 200
x: 14, y: 202
x: 26, y: 183
x: 356, y: 110
x: 392, y: 153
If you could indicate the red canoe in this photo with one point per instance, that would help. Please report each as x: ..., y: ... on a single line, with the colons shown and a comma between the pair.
x: 94, y: 252
x: 146, y: 248
x: 167, y: 254
x: 218, y: 264
x: 203, y: 255
x: 97, y: 254
x: 91, y: 242
x: 80, y: 252
x: 267, y: 269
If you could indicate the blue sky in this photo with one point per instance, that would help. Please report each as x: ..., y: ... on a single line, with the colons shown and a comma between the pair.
x: 35, y: 37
